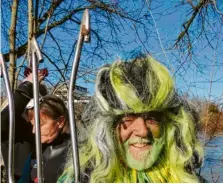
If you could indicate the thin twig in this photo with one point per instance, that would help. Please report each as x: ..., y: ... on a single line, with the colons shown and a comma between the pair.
x: 161, y: 45
x: 44, y: 38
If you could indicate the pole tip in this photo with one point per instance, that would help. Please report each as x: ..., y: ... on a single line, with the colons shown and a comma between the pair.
x: 85, y: 26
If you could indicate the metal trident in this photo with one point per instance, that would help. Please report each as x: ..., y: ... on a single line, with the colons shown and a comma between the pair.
x: 11, y: 121
x: 34, y: 60
x: 84, y: 35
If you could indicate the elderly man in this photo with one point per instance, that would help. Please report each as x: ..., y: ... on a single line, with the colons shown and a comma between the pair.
x: 136, y: 128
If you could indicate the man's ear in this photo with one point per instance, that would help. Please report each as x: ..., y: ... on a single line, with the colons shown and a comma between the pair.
x: 61, y: 122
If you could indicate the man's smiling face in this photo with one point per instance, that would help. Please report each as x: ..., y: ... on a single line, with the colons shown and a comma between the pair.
x: 140, y: 138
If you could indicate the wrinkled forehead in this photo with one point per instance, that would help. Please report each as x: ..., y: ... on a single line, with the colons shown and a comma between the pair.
x: 29, y: 115
x: 152, y: 114
x: 145, y: 115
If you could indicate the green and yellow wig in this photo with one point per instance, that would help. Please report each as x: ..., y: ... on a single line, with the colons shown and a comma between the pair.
x: 138, y: 86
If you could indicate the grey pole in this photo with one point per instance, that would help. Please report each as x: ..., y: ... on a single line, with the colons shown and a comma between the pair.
x: 11, y: 122
x: 84, y: 35
x: 36, y: 58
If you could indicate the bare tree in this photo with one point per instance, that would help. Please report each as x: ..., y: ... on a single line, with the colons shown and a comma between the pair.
x: 186, y: 35
x: 56, y: 27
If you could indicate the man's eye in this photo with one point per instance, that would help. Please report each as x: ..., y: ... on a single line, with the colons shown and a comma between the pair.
x: 153, y: 118
x: 151, y: 121
x: 128, y: 119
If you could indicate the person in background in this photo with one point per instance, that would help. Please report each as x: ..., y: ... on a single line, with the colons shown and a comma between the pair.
x: 137, y: 128
x: 54, y: 129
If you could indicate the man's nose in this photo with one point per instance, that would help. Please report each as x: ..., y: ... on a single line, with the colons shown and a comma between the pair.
x: 140, y: 127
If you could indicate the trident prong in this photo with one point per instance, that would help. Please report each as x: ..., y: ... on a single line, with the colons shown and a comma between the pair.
x: 36, y: 49
x: 35, y: 59
x: 85, y: 26
x: 84, y: 35
x: 11, y: 121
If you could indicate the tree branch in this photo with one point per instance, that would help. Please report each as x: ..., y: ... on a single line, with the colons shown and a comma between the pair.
x: 30, y: 27
x: 55, y: 65
x: 50, y: 11
x: 22, y: 49
x: 12, y: 36
x: 187, y: 24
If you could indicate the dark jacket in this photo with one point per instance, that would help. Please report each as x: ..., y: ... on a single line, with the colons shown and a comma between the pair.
x: 54, y: 154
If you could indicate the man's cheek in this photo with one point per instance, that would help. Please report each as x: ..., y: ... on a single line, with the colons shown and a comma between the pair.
x: 157, y: 133
x: 122, y: 135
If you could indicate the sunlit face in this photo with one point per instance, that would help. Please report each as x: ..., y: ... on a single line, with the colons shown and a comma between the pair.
x: 49, y: 128
x: 141, y: 140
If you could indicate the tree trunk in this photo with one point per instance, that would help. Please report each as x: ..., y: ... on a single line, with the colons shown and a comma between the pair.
x: 12, y: 40
x: 30, y: 26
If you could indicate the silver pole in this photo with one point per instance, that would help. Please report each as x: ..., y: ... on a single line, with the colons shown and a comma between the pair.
x: 84, y: 35
x: 36, y: 58
x: 11, y: 122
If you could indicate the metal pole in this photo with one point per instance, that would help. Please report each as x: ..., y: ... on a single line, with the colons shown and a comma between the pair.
x: 11, y: 122
x: 84, y: 35
x: 36, y: 58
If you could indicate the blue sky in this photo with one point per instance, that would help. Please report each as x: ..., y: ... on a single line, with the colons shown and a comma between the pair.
x: 194, y: 75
